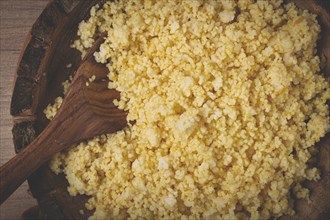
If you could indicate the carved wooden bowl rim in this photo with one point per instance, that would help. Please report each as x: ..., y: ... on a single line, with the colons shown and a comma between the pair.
x: 51, y: 36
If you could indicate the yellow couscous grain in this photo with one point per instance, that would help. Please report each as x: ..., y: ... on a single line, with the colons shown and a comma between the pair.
x: 228, y: 104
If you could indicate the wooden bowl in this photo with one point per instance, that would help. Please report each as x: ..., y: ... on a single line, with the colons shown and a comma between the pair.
x: 42, y: 69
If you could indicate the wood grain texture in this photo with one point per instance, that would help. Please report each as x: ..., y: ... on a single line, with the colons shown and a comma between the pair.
x: 16, y: 20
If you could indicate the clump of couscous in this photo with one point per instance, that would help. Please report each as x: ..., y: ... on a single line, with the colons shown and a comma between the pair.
x: 227, y: 100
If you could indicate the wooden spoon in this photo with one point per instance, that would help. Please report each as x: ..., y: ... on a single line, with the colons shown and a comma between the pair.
x: 87, y: 111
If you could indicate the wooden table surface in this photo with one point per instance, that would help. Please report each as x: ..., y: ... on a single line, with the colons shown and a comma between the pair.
x: 16, y: 19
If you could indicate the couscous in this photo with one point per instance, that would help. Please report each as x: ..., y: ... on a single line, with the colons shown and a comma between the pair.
x: 227, y: 100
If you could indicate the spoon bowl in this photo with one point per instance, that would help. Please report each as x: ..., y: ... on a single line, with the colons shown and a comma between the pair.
x: 87, y: 111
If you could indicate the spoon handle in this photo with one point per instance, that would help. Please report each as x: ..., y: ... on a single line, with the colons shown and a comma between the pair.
x: 60, y: 133
x: 20, y: 167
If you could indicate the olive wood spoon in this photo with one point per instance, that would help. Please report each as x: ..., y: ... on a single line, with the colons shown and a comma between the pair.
x: 87, y: 111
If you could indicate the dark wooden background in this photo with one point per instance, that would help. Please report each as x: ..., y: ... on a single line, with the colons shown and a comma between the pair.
x: 16, y: 19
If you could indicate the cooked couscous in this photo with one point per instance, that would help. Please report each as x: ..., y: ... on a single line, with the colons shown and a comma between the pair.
x: 227, y: 100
